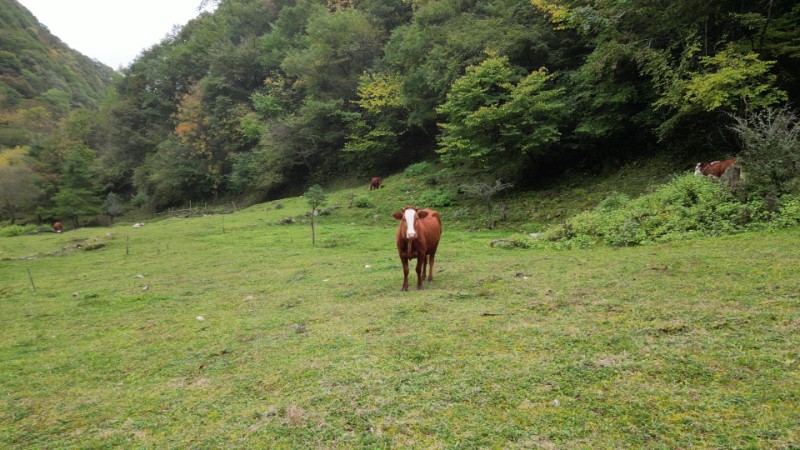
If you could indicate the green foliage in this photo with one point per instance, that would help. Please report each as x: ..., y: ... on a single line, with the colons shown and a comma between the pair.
x: 728, y: 81
x: 315, y: 197
x: 688, y: 205
x: 335, y: 51
x: 40, y: 76
x: 77, y: 194
x: 377, y: 128
x: 495, y: 119
x: 18, y: 230
x: 788, y: 214
x: 176, y: 174
x: 419, y: 169
x: 112, y: 206
x: 771, y: 151
x: 260, y: 98
x: 436, y: 199
x: 364, y: 202
x: 18, y: 186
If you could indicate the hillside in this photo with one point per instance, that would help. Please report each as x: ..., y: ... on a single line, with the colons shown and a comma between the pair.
x: 41, y: 78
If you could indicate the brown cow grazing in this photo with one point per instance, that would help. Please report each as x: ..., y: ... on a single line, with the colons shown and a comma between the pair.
x: 418, y: 237
x: 716, y: 168
x: 57, y: 227
x: 375, y: 183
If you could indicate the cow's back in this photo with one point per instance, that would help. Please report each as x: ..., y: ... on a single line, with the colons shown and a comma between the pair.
x: 431, y: 225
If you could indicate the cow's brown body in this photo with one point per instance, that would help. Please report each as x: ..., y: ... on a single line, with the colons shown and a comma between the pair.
x: 422, y: 246
x: 375, y: 183
x: 715, y: 169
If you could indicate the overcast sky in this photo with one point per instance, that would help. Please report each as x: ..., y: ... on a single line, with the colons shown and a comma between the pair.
x: 114, y: 32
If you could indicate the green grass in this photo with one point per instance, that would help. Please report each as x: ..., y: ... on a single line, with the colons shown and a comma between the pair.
x: 689, y: 344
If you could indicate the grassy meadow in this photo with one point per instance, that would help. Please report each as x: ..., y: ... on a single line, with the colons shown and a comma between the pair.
x: 232, y: 330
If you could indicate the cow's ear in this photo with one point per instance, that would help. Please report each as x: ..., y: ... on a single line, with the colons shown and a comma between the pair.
x: 422, y: 214
x: 397, y: 215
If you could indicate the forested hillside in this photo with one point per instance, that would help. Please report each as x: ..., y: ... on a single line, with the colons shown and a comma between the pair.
x: 265, y: 97
x: 41, y: 79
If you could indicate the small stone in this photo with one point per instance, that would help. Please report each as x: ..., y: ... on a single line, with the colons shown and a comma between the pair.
x: 201, y: 318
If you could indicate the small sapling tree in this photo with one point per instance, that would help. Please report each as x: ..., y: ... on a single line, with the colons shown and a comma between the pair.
x: 112, y: 206
x: 138, y: 201
x: 316, y: 197
x: 485, y: 192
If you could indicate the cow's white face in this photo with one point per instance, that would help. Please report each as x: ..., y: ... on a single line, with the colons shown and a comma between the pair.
x: 698, y: 169
x: 410, y: 214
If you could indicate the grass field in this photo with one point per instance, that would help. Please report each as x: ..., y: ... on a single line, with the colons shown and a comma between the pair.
x: 234, y: 331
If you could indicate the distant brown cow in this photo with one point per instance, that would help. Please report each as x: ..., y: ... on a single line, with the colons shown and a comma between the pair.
x: 418, y: 237
x: 375, y: 183
x: 716, y: 168
x: 57, y: 227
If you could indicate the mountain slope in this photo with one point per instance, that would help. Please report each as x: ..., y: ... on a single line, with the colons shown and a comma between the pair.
x: 41, y: 78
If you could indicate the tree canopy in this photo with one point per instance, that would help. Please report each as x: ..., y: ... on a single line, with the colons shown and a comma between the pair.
x: 262, y: 98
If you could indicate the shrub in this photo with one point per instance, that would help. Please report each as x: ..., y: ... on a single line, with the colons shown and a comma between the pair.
x: 418, y: 169
x: 687, y: 205
x: 437, y: 199
x: 771, y: 150
x: 789, y: 213
x: 364, y: 202
x: 18, y: 230
x: 613, y: 201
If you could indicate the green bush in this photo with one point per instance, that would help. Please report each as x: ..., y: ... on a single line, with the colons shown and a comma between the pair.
x: 688, y: 205
x: 364, y: 202
x: 436, y: 199
x: 613, y: 201
x: 17, y: 230
x: 418, y: 169
x: 789, y: 213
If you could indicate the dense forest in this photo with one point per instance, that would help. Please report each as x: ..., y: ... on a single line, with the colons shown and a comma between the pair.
x: 265, y: 97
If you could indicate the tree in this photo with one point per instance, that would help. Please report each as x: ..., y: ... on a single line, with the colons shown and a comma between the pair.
x: 112, y: 206
x: 485, y: 192
x: 138, y: 201
x: 770, y: 150
x: 18, y: 190
x: 77, y: 196
x: 316, y: 197
x: 497, y: 120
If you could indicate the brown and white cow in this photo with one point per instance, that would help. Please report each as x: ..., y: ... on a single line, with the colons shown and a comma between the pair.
x: 375, y: 183
x: 418, y: 237
x: 715, y: 168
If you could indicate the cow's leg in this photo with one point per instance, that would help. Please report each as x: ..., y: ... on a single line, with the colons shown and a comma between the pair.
x: 420, y: 274
x: 430, y: 267
x: 405, y: 273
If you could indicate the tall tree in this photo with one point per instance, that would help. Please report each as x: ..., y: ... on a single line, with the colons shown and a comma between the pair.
x: 77, y: 195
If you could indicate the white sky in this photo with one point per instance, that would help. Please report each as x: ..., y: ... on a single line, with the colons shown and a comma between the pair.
x: 114, y: 32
